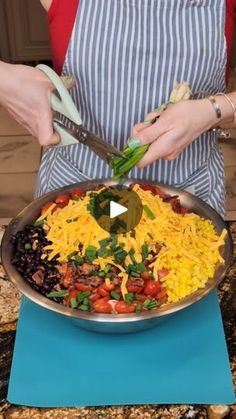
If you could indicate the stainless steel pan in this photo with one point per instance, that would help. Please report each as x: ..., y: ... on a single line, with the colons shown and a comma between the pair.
x: 112, y: 323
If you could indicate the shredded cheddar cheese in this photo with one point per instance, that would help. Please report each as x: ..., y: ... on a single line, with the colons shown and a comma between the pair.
x: 190, y: 246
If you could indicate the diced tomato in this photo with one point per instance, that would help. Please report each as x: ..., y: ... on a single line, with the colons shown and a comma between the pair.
x: 72, y: 294
x: 145, y: 275
x: 102, y: 291
x: 152, y: 287
x: 83, y: 287
x: 142, y: 297
x: 62, y: 199
x: 122, y: 307
x: 59, y: 206
x: 162, y: 294
x: 183, y: 210
x: 134, y: 288
x: 160, y: 192
x: 78, y: 193
x: 46, y: 206
x: 148, y: 187
x: 162, y: 273
x: 102, y: 306
x: 94, y: 297
x: 109, y: 287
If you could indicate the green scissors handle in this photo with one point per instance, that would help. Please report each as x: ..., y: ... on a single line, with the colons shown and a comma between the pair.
x: 62, y: 103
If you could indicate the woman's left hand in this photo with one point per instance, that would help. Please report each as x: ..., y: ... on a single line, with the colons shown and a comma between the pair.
x: 178, y: 126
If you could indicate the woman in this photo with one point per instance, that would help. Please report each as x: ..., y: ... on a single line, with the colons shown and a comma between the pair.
x: 125, y: 57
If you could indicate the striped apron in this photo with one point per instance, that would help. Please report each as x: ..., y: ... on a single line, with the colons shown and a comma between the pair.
x: 126, y: 56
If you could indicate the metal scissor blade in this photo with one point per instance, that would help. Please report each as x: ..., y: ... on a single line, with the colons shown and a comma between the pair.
x: 100, y: 147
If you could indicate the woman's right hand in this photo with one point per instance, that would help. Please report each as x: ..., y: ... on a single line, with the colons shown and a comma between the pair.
x: 25, y: 92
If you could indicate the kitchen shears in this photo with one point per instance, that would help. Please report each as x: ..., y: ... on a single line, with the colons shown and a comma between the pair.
x: 70, y: 127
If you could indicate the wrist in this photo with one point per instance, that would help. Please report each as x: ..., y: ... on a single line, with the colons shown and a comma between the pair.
x: 223, y: 109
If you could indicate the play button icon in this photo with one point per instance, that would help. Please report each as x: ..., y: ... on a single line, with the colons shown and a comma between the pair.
x: 117, y: 210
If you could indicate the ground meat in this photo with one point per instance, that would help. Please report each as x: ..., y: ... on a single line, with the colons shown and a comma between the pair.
x: 94, y: 281
x: 135, y: 281
x: 62, y: 268
x: 113, y: 270
x: 116, y: 280
x: 38, y: 277
x: 86, y: 268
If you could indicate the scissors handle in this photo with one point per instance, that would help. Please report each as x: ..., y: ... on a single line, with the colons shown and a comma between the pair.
x: 63, y: 104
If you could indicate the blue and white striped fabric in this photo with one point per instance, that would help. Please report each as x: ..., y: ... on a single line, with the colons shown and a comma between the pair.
x: 126, y: 56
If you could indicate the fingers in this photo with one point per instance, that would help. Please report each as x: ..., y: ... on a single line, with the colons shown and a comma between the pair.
x: 142, y: 125
x: 167, y: 147
x: 68, y: 81
x: 149, y: 134
x: 45, y: 134
x: 137, y: 128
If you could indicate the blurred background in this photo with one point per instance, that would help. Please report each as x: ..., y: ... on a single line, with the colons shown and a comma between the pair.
x: 24, y: 39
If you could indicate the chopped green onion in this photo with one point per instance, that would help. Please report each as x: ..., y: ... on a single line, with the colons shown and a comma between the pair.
x: 121, y: 166
x: 82, y: 295
x: 38, y: 223
x: 153, y: 304
x: 107, y: 268
x: 73, y: 265
x: 113, y: 242
x: 91, y: 249
x: 91, y: 253
x: 132, y: 233
x: 136, y: 267
x: 131, y: 253
x: 73, y: 303
x: 150, y: 304
x: 129, y: 298
x: 115, y: 295
x: 149, y: 212
x: 58, y: 294
x: 121, y: 256
x: 104, y: 242
x: 133, y: 273
x: 85, y: 301
x: 84, y: 307
x: 79, y: 260
x: 118, y: 224
x: 70, y: 256
x: 118, y: 250
x: 101, y: 251
x: 28, y: 246
x: 144, y: 251
x: 101, y: 273
x: 138, y: 308
x: 146, y: 303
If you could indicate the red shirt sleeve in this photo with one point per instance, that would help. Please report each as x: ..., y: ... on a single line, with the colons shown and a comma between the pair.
x: 229, y: 29
x: 61, y: 17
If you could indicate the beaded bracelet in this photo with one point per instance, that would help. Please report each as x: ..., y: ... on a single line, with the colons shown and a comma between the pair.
x: 231, y: 103
x: 215, y: 106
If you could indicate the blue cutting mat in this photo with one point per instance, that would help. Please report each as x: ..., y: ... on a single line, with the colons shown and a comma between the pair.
x: 184, y: 360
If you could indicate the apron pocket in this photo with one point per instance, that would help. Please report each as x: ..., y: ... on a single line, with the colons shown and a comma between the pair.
x: 64, y: 173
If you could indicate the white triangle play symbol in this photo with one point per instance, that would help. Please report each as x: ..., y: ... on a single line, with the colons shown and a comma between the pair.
x: 116, y: 209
